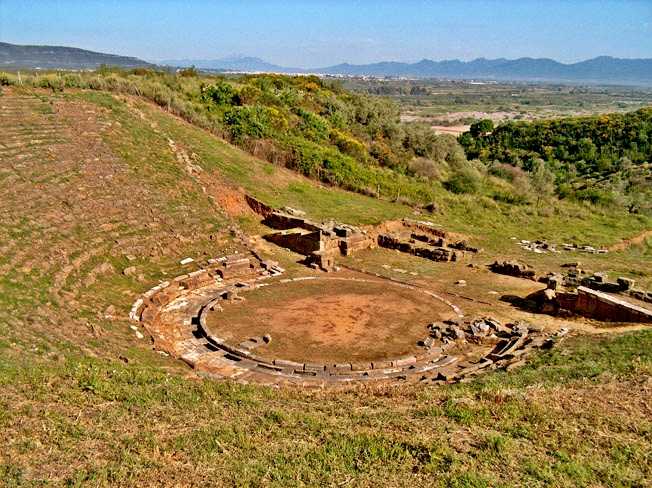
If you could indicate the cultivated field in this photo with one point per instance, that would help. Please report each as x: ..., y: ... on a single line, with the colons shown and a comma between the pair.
x: 451, y: 106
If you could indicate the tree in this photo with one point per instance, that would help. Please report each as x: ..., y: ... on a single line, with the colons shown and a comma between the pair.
x: 543, y: 180
x: 481, y: 127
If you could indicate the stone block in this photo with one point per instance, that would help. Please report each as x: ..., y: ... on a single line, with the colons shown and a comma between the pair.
x: 284, y: 363
x: 381, y: 364
x: 404, y: 361
x: 625, y: 283
x: 314, y: 367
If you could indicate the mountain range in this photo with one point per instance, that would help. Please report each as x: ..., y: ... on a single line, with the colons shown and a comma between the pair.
x: 603, y: 69
x: 13, y: 56
x: 233, y: 63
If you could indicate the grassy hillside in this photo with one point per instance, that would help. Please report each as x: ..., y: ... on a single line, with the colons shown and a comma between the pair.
x: 357, y: 142
x: 94, y: 182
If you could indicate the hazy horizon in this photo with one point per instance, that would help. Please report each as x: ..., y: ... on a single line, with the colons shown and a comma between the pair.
x: 320, y: 33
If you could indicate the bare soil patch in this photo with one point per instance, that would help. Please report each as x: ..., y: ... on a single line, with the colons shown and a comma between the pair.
x: 632, y: 241
x: 331, y: 321
x: 454, y: 130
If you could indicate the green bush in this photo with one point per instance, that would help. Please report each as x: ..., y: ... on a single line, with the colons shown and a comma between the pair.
x: 595, y: 196
x: 7, y: 80
x: 313, y: 126
x: 52, y: 82
x: 220, y: 93
x: 464, y: 181
x: 348, y: 145
x: 257, y: 122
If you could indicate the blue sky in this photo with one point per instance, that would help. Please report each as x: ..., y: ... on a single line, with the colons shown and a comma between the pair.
x: 320, y: 32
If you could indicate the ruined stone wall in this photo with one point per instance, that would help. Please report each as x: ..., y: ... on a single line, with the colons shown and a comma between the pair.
x: 424, y: 227
x: 259, y: 207
x: 355, y: 243
x: 431, y: 253
x: 282, y: 221
x: 436, y: 241
x: 513, y: 268
x: 304, y: 244
x: 601, y: 306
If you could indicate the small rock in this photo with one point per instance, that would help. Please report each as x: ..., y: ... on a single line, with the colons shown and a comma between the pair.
x: 460, y: 282
x: 458, y: 333
x: 128, y: 271
x: 431, y: 207
x: 480, y: 328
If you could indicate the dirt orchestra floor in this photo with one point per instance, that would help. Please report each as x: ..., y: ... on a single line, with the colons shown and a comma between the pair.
x: 332, y: 320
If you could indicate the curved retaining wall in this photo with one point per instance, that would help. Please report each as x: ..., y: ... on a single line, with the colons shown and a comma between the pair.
x: 174, y: 313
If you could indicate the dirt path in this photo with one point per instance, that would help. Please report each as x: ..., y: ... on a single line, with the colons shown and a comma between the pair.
x: 632, y: 241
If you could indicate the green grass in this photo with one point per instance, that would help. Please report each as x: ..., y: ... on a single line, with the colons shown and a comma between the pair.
x: 504, y: 429
x: 492, y: 223
x: 79, y: 409
x: 272, y: 184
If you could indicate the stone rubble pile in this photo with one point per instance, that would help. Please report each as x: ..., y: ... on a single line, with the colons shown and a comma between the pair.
x: 425, y: 240
x: 538, y: 247
x: 543, y: 246
x: 513, y: 268
x: 510, y: 344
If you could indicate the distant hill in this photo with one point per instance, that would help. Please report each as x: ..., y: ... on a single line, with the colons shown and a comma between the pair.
x: 603, y: 69
x: 59, y: 57
x: 233, y: 63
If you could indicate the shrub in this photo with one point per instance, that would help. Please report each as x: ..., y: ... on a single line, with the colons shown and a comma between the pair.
x: 464, y: 181
x: 595, y: 196
x: 419, y: 139
x: 52, y: 82
x: 7, y: 80
x: 257, y: 122
x: 189, y: 72
x: 313, y: 126
x: 220, y: 93
x: 382, y: 153
x: 249, y: 95
x: 348, y: 145
x: 425, y: 167
x: 141, y: 71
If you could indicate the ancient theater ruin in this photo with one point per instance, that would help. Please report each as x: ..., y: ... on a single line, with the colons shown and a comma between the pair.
x: 239, y: 316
